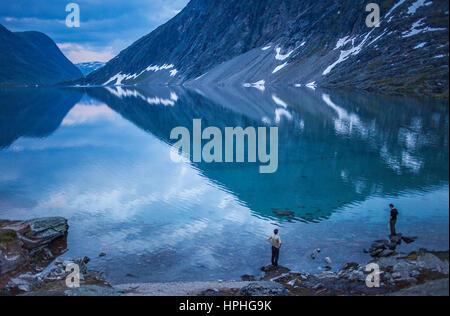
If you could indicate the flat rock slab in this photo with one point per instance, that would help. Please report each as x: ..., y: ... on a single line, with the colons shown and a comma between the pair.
x: 432, y: 288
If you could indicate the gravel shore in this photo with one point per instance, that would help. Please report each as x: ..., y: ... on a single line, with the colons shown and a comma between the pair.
x: 177, y: 288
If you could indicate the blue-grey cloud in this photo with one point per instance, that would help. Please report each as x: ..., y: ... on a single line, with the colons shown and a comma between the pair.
x: 107, y: 27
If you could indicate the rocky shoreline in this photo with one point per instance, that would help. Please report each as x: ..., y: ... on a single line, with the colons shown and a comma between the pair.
x: 30, y: 264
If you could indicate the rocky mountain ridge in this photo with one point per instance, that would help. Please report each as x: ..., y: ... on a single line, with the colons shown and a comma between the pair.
x: 257, y: 43
x: 32, y: 58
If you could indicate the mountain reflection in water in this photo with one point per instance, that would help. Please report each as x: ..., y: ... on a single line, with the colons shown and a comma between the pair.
x: 101, y: 158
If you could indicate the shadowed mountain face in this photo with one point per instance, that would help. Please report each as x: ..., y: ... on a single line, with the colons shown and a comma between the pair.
x: 32, y: 58
x: 349, y: 147
x: 33, y: 112
x: 293, y: 42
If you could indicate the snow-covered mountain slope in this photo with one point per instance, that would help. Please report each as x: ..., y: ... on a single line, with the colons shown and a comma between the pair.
x: 327, y: 43
x: 87, y: 68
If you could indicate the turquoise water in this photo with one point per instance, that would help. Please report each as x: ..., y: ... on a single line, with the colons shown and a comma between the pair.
x: 101, y: 158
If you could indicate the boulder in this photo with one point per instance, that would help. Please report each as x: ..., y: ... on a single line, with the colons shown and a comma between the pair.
x: 409, y: 240
x: 24, y: 283
x: 386, y: 253
x: 397, y: 239
x: 379, y: 244
x: 247, y: 277
x: 376, y: 253
x: 45, y: 230
x: 31, y: 244
x: 429, y: 261
x: 356, y: 276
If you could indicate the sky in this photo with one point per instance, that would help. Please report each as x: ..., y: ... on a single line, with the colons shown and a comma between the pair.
x: 106, y: 26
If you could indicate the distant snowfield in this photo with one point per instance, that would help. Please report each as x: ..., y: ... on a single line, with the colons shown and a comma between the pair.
x: 419, y: 27
x: 345, y: 54
x: 282, y: 57
x: 311, y: 85
x: 154, y: 68
x: 278, y: 68
x: 260, y: 85
x: 127, y: 93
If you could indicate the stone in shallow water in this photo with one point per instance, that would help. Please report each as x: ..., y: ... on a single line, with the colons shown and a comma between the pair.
x: 409, y: 240
x: 386, y: 253
x: 247, y: 277
x: 396, y: 239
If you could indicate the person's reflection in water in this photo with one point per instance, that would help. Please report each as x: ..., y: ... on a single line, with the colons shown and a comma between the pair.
x: 393, y: 219
x: 275, y: 241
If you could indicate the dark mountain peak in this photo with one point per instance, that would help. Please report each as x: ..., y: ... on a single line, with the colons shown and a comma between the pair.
x: 3, y: 29
x: 32, y: 58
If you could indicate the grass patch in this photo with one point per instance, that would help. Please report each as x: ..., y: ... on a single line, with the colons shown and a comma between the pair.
x: 8, y: 236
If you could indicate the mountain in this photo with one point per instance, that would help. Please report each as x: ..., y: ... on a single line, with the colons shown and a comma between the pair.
x: 33, y: 112
x: 87, y: 68
x: 325, y: 43
x: 311, y: 122
x: 32, y: 58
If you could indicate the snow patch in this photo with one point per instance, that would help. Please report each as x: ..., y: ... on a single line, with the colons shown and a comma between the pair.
x: 280, y: 56
x: 278, y: 68
x: 279, y: 101
x: 345, y: 54
x: 394, y: 7
x: 420, y: 45
x: 343, y: 41
x: 118, y: 78
x: 311, y: 85
x: 260, y: 85
x: 419, y: 27
x: 416, y: 5
x: 282, y: 112
x: 266, y: 48
x: 126, y: 93
x: 200, y: 77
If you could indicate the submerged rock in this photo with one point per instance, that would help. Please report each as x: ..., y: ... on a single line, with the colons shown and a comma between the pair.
x: 409, y: 240
x: 397, y: 239
x: 247, y: 277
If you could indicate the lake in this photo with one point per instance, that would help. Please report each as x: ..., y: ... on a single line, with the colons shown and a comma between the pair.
x: 100, y: 157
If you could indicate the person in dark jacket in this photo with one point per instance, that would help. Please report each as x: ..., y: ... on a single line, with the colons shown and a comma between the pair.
x: 393, y: 219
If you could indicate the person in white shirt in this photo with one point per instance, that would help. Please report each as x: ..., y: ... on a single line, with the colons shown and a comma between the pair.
x: 275, y: 241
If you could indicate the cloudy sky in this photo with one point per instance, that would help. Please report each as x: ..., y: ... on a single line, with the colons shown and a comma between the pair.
x: 107, y: 27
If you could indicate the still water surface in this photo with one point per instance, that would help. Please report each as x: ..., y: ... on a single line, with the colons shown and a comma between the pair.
x: 101, y: 158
